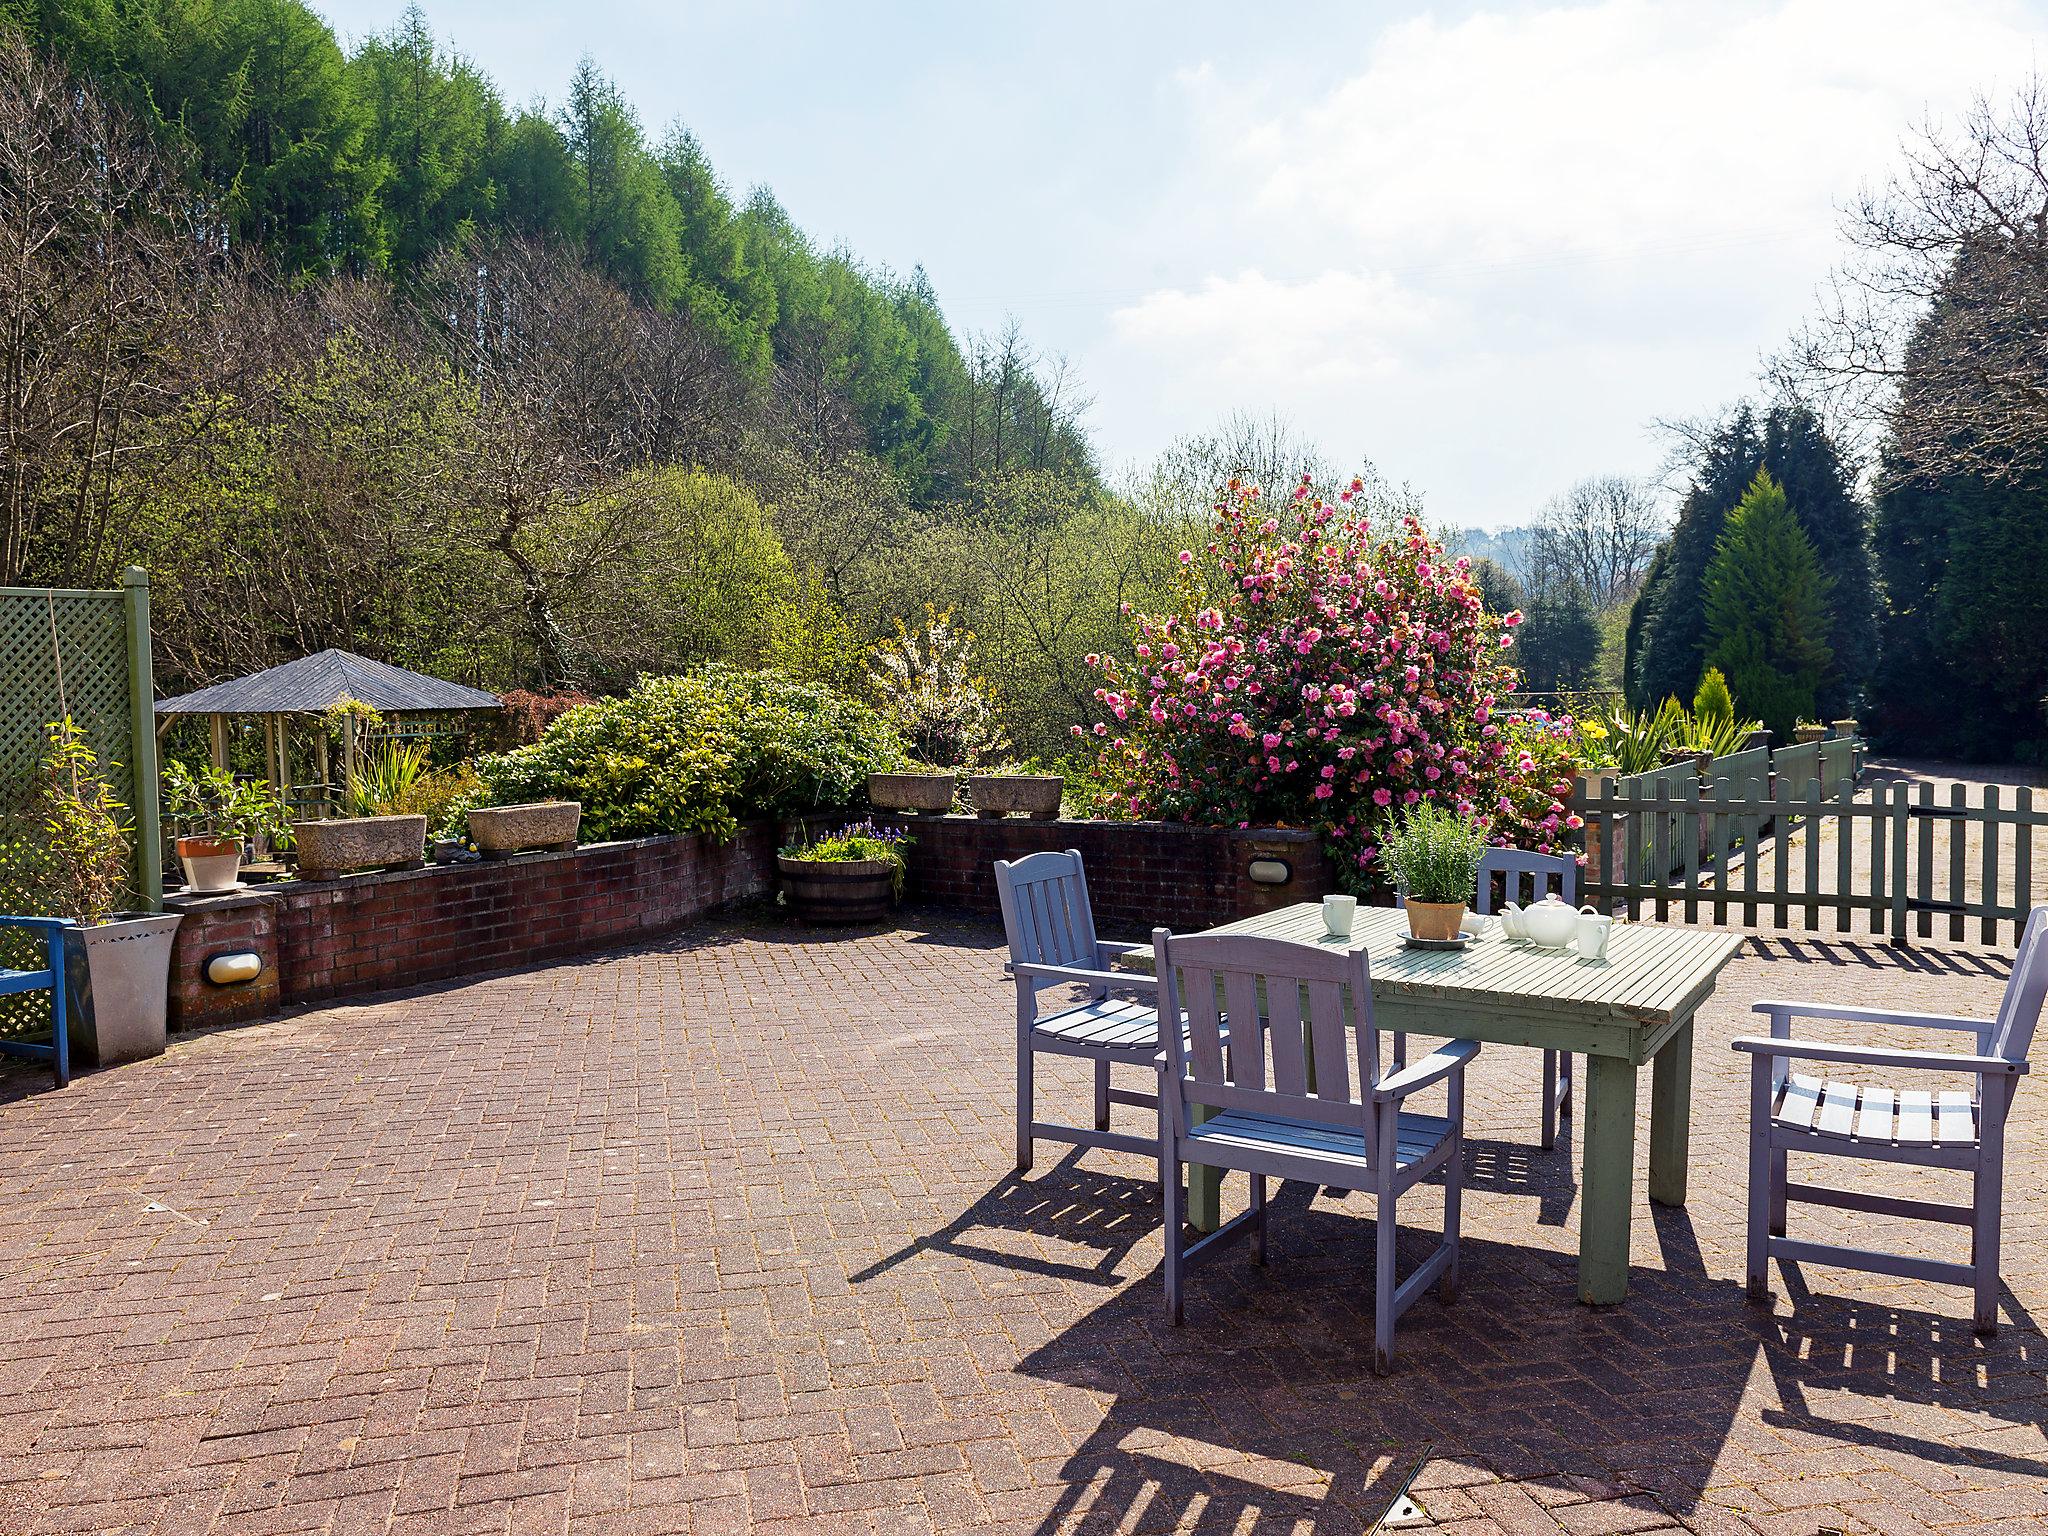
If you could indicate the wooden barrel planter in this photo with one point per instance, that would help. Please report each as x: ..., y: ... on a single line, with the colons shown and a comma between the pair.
x: 838, y: 891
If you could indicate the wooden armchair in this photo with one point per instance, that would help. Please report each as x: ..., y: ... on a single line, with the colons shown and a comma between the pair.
x: 1791, y: 1111
x: 1051, y: 930
x: 1289, y: 1106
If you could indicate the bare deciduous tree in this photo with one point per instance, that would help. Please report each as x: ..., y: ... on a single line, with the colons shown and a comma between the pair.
x: 1596, y: 538
x: 1936, y: 331
x: 101, y: 276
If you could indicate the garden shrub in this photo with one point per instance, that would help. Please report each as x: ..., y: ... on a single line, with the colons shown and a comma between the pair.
x: 698, y: 752
x: 1317, y: 676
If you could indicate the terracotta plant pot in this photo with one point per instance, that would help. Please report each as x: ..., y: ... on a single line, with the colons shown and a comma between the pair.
x: 503, y: 830
x: 1435, y: 919
x: 928, y: 792
x: 1037, y: 795
x: 331, y: 848
x: 838, y: 891
x: 211, y: 863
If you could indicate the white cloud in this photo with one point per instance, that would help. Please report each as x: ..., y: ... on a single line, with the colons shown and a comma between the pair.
x: 1489, y: 217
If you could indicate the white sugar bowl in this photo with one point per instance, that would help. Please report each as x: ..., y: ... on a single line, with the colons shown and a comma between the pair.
x: 1550, y: 922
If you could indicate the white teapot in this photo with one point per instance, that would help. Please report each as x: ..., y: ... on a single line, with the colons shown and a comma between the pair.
x: 1550, y: 922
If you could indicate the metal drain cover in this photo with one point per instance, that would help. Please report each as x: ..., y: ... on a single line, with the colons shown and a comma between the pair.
x: 1405, y: 1512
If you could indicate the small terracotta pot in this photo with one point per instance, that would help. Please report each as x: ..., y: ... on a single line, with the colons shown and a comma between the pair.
x: 211, y: 863
x: 1435, y: 919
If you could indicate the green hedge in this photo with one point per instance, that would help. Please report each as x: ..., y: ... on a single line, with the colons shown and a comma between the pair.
x: 699, y: 753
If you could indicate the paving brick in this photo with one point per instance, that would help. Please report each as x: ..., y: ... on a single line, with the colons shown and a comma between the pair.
x: 719, y: 1233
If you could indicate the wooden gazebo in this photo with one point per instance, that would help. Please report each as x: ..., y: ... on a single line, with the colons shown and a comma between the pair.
x: 311, y: 686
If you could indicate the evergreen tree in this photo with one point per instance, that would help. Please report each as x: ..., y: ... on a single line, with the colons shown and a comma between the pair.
x: 1668, y: 624
x: 434, y: 122
x: 1766, y: 610
x: 1558, y: 645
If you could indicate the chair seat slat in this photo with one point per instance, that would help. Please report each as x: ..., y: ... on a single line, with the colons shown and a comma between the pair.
x: 1955, y: 1118
x: 1801, y: 1098
x: 1875, y: 1121
x: 1837, y: 1110
x: 1916, y: 1117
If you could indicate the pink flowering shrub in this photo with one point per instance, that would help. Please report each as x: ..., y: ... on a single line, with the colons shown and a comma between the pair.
x: 1316, y: 675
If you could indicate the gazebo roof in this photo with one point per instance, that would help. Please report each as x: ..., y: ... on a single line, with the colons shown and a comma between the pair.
x: 315, y: 683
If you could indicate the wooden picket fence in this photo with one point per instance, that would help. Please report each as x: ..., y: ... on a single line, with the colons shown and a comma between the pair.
x: 1897, y: 859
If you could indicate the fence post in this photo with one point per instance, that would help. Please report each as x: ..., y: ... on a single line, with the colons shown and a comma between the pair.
x: 1900, y: 819
x: 149, y: 853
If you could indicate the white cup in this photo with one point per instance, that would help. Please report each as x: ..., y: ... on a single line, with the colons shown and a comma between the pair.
x: 1338, y: 912
x: 1593, y: 932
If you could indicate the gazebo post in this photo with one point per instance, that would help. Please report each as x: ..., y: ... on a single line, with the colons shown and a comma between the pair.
x: 284, y: 758
x: 322, y: 762
x: 218, y: 730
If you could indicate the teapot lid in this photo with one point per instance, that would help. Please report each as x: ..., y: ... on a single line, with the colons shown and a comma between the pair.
x: 1553, y: 900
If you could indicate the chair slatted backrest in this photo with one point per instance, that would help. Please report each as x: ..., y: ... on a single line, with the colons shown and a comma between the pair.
x: 1045, y: 911
x: 1537, y: 873
x: 1260, y: 986
x: 2012, y: 1032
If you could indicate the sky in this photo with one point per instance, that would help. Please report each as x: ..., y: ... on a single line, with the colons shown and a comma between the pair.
x: 1486, y: 247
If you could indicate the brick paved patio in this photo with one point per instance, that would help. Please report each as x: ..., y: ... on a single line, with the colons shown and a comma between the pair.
x: 720, y: 1235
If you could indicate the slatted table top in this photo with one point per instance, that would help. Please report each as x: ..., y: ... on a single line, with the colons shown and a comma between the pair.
x: 1652, y: 976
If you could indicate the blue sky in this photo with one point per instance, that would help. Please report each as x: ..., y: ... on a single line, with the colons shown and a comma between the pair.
x: 1486, y: 247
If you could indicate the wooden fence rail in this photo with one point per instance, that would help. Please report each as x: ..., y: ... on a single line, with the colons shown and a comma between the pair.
x: 1900, y: 858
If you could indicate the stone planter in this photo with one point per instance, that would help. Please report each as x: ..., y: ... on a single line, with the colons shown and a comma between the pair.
x: 1810, y: 733
x: 503, y: 830
x: 838, y: 891
x: 998, y: 794
x: 212, y: 864
x: 331, y: 848
x: 928, y: 792
x: 1760, y: 737
x: 1845, y: 730
x: 1435, y: 919
x: 117, y: 978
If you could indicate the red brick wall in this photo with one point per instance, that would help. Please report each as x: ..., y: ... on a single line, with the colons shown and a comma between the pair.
x: 1140, y: 873
x: 323, y: 939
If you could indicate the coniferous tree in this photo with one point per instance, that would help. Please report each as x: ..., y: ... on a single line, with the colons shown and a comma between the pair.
x: 1766, y: 611
x: 1668, y: 623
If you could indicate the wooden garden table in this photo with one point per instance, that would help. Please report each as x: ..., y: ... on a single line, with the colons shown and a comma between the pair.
x: 1634, y: 1006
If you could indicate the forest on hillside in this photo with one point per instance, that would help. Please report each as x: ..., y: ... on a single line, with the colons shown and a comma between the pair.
x: 345, y: 350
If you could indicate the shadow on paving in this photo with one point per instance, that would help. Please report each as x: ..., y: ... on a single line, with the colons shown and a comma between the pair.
x: 1832, y: 1351
x: 1515, y: 1379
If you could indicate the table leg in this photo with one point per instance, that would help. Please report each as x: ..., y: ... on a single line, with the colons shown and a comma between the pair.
x: 1671, y: 1117
x: 1606, y: 1187
x: 1205, y: 1185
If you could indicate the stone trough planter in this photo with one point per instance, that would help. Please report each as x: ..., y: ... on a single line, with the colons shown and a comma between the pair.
x: 503, y: 830
x: 331, y: 848
x: 931, y: 793
x: 998, y: 794
x: 838, y: 891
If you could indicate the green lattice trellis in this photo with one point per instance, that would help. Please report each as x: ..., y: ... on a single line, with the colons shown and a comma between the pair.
x: 88, y: 653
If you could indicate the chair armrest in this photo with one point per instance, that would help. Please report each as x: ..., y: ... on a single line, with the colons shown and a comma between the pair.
x: 40, y: 924
x: 1108, y: 953
x: 1440, y: 1063
x: 1091, y: 978
x: 1871, y: 1056
x: 1783, y: 1011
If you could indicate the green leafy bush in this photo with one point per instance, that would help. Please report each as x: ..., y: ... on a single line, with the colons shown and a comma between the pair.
x: 1713, y: 701
x: 64, y: 838
x: 698, y: 753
